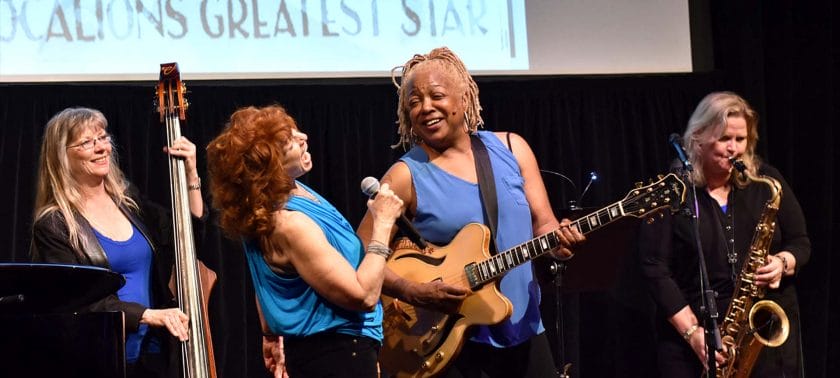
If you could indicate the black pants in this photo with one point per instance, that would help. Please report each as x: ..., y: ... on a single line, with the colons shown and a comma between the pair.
x: 149, y: 366
x: 531, y: 359
x: 677, y: 359
x: 331, y: 355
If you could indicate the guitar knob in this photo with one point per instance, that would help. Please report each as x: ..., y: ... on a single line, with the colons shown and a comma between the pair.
x: 427, y: 364
x: 439, y: 356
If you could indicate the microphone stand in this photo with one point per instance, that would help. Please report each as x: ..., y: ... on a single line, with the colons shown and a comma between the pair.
x: 556, y: 268
x: 708, y: 308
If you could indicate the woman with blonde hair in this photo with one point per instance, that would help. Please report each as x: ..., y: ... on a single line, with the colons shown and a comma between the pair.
x: 86, y: 213
x: 723, y: 127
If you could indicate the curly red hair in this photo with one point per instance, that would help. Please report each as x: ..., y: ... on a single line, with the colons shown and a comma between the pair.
x: 247, y: 178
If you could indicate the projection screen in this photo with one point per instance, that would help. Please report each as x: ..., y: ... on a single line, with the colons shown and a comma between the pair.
x: 125, y: 40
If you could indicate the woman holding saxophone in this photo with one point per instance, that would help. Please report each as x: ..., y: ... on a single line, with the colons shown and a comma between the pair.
x: 730, y: 207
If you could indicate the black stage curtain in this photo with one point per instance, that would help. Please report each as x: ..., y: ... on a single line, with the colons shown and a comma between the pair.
x: 782, y: 57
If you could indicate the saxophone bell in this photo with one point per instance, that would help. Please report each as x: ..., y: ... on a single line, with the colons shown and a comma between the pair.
x: 769, y: 323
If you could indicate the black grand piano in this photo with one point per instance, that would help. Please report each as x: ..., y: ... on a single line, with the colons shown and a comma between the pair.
x: 42, y: 331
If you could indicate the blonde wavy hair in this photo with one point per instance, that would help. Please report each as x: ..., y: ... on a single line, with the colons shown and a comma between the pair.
x: 445, y: 60
x: 57, y: 189
x: 247, y: 178
x: 709, y: 122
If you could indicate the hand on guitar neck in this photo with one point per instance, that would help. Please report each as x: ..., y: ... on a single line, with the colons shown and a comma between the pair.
x: 569, y: 236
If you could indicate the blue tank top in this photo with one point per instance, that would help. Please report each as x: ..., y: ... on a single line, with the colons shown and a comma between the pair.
x: 133, y: 259
x: 293, y: 308
x: 446, y: 203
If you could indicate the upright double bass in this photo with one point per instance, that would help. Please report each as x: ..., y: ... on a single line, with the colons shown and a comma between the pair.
x: 192, y: 280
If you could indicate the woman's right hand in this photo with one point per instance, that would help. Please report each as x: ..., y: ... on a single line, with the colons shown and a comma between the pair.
x: 172, y: 318
x: 435, y: 295
x: 385, y: 207
x: 274, y: 356
x: 697, y: 340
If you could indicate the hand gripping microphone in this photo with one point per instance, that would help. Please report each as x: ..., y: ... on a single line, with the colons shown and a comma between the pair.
x: 370, y: 186
x: 674, y: 140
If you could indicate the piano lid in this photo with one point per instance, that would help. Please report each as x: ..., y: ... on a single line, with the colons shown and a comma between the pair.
x: 45, y: 288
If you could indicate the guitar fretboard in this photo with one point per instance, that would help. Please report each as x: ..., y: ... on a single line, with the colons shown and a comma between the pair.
x: 496, y: 266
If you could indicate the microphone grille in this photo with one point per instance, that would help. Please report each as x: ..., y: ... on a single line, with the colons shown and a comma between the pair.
x: 370, y: 186
x: 675, y: 138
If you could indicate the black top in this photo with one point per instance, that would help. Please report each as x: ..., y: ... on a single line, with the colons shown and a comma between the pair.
x: 669, y: 257
x: 51, y: 244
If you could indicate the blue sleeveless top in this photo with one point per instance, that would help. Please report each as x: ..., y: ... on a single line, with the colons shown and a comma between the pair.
x: 293, y: 308
x: 133, y: 259
x: 446, y: 203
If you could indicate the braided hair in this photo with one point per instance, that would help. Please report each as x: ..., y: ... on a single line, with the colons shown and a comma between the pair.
x: 445, y: 60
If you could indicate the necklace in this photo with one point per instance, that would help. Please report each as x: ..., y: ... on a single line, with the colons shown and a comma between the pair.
x: 727, y: 227
x: 731, y: 256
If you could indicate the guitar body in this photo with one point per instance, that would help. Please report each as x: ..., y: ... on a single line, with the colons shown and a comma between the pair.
x: 420, y: 342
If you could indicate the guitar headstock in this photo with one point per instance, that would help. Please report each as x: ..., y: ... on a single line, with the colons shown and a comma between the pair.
x: 667, y: 192
x: 170, y: 93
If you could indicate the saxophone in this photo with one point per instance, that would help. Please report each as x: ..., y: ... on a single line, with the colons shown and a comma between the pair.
x: 743, y: 330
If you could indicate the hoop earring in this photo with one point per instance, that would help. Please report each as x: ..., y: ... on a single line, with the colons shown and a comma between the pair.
x: 412, y: 136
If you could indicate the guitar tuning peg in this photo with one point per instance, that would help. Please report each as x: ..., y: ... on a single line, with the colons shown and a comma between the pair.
x: 638, y: 184
x: 653, y: 217
x: 659, y: 177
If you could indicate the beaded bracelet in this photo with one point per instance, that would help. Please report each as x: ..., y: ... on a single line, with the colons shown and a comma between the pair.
x: 784, y: 263
x: 196, y: 186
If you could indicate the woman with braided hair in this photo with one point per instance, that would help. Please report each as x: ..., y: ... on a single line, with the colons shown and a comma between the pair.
x: 439, y: 113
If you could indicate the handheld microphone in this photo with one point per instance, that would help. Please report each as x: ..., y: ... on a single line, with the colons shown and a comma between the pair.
x: 674, y: 140
x: 370, y: 187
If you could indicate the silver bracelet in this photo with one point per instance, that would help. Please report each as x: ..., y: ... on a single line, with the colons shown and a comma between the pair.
x: 379, y: 249
x: 690, y: 331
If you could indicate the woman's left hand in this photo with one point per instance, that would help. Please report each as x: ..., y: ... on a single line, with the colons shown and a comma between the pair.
x: 569, y: 236
x: 770, y: 275
x: 183, y: 148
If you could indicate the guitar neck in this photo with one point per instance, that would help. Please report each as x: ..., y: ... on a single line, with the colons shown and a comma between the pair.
x: 496, y: 266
